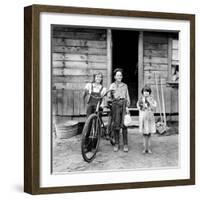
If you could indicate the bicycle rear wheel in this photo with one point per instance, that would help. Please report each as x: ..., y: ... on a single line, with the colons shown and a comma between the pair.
x: 90, y: 138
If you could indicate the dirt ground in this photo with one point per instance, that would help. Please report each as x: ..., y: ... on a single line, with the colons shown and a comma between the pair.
x: 67, y: 154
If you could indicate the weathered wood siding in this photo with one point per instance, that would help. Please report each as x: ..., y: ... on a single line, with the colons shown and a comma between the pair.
x: 175, y: 58
x: 77, y: 53
x: 174, y: 61
x: 160, y: 52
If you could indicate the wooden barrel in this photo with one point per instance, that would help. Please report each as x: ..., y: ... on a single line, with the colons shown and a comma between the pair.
x: 67, y: 130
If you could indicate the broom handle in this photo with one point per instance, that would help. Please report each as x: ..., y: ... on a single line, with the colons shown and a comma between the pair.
x: 163, y: 103
x: 161, y: 118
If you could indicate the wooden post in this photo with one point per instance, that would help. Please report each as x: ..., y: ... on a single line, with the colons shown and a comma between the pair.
x: 169, y: 58
x: 109, y: 57
x: 140, y: 63
x: 170, y: 72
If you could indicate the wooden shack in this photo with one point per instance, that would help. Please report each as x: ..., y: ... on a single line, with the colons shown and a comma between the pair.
x: 77, y: 53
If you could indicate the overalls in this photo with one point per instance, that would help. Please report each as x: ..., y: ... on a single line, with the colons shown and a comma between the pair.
x: 92, y: 103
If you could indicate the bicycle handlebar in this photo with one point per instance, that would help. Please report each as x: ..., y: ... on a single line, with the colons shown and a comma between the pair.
x: 99, y: 98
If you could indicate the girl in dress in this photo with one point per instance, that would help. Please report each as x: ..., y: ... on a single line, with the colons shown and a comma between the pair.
x: 146, y: 105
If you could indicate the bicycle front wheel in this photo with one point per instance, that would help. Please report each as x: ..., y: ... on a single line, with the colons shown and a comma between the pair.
x: 90, y: 138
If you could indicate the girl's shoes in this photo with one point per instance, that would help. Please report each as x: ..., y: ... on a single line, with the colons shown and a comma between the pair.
x: 147, y: 151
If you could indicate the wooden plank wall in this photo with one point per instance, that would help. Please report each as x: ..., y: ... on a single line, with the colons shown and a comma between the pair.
x: 77, y: 53
x: 175, y: 58
x: 156, y: 65
x: 175, y: 61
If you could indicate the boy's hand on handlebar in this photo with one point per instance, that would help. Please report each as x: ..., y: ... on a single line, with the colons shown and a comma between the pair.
x: 127, y: 110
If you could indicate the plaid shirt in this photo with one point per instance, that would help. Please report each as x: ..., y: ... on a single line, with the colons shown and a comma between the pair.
x: 120, y: 91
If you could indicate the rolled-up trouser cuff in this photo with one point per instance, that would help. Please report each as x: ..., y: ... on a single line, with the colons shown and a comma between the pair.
x: 116, y: 135
x: 125, y: 136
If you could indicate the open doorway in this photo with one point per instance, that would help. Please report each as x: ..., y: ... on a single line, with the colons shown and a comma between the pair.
x: 125, y: 55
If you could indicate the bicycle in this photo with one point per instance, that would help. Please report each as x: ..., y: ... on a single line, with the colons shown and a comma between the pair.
x: 93, y: 130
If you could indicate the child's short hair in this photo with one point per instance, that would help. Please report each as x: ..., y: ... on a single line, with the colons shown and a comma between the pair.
x: 99, y: 74
x: 118, y: 70
x: 146, y: 88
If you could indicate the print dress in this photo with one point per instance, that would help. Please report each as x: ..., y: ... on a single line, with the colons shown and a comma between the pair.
x: 146, y: 106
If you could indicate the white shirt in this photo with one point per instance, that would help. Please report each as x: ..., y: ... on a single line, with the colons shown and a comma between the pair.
x: 96, y: 88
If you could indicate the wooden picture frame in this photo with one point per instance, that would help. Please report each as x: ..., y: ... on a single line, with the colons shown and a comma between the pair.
x: 32, y: 92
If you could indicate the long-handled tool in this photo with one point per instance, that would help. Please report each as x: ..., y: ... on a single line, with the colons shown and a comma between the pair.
x: 160, y: 125
x: 163, y: 103
x: 158, y: 98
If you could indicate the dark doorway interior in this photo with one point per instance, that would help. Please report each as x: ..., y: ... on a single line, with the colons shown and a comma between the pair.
x: 125, y: 55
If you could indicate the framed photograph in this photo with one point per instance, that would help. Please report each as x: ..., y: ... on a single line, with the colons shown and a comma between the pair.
x: 109, y: 99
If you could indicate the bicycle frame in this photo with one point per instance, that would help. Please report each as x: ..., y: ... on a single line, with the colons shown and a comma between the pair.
x: 95, y: 130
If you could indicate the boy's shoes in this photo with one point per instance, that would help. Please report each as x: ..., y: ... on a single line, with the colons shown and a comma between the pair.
x: 125, y: 148
x: 116, y: 147
x: 107, y: 137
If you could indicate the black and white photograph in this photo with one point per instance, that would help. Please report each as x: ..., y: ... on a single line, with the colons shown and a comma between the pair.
x: 114, y: 99
x: 109, y: 99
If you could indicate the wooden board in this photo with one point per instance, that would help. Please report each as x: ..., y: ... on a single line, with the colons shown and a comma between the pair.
x: 175, y: 100
x: 156, y: 38
x: 79, y: 35
x: 155, y: 53
x: 77, y: 101
x: 155, y: 60
x: 82, y: 104
x: 81, y: 79
x: 60, y: 101
x: 54, y: 102
x: 77, y: 29
x: 78, y: 50
x: 175, y: 55
x: 79, y: 64
x: 155, y: 67
x: 76, y: 72
x: 175, y: 62
x: 84, y: 43
x: 140, y: 62
x: 175, y: 44
x: 72, y: 79
x: 79, y: 57
x: 73, y: 86
x: 155, y: 46
x: 68, y: 102
x: 69, y: 57
x: 72, y: 102
x: 109, y: 57
x: 70, y: 86
x: 149, y: 76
